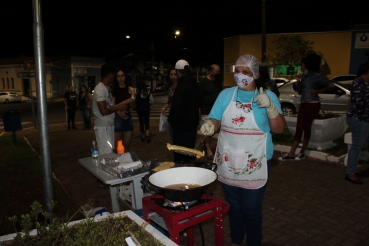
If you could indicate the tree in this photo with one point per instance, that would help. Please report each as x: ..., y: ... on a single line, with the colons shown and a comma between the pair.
x: 290, y: 49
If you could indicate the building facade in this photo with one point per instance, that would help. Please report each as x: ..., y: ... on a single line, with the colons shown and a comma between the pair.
x: 342, y: 51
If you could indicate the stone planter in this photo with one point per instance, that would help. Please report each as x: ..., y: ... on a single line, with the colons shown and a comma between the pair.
x: 130, y: 214
x: 323, y: 131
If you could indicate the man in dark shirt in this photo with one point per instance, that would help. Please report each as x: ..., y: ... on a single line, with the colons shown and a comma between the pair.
x: 209, y: 88
x: 184, y: 111
x: 71, y: 104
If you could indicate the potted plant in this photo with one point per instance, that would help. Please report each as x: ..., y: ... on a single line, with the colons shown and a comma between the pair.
x: 326, y: 128
x: 112, y: 229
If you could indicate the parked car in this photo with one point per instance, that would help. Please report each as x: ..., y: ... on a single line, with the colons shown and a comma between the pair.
x: 160, y: 87
x: 280, y: 81
x: 336, y: 101
x: 344, y: 79
x: 7, y: 97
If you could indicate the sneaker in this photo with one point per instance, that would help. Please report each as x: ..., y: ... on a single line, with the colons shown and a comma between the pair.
x: 300, y: 157
x: 287, y: 158
x: 148, y: 139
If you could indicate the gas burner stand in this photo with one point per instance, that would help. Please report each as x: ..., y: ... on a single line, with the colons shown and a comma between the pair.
x: 178, y: 220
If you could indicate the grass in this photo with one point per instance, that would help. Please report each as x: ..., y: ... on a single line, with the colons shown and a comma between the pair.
x: 19, y: 164
x: 21, y: 182
x: 286, y: 138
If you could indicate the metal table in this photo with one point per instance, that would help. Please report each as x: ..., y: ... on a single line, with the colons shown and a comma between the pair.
x: 94, y: 167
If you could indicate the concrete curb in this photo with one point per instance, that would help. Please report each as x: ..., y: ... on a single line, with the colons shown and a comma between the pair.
x: 313, y: 154
x: 309, y: 153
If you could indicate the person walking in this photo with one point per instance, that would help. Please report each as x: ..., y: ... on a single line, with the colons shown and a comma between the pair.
x: 144, y: 100
x: 209, y: 88
x: 84, y: 105
x: 311, y: 85
x: 71, y: 105
x: 357, y: 117
x: 246, y: 115
x: 184, y: 111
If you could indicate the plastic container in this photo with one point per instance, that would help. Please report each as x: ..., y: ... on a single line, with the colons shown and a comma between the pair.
x: 120, y: 148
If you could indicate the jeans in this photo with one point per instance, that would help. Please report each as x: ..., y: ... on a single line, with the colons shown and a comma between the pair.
x: 86, y: 115
x: 245, y: 213
x: 123, y: 125
x: 360, y: 133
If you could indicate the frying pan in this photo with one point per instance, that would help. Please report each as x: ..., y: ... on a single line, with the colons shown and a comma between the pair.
x: 182, y: 175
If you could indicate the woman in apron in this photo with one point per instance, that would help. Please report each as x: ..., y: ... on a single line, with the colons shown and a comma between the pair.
x: 245, y: 115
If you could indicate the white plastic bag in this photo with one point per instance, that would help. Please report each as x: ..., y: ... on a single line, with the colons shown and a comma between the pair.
x: 163, y: 123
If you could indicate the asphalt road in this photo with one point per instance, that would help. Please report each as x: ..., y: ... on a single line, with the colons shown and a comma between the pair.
x: 56, y: 112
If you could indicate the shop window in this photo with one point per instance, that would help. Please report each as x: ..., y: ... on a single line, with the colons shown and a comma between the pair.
x: 229, y: 68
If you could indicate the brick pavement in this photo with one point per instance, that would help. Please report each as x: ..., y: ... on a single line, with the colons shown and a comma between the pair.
x: 306, y: 202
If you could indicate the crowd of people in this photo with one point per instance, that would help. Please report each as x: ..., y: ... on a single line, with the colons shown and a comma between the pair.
x: 244, y: 116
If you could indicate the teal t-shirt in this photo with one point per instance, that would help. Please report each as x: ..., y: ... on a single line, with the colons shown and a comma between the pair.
x: 260, y: 114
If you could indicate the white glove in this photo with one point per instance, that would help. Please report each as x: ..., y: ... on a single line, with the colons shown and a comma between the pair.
x: 207, y: 128
x: 263, y: 101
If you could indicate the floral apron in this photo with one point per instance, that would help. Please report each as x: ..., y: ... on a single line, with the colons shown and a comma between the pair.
x: 241, y: 148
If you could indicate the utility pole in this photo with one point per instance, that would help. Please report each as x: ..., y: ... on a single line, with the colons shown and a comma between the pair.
x: 263, y: 33
x: 38, y: 45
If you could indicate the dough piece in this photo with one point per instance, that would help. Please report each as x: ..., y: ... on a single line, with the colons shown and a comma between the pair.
x: 165, y: 165
x: 186, y: 150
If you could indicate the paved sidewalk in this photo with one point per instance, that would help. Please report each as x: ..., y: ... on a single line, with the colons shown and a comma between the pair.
x: 306, y: 203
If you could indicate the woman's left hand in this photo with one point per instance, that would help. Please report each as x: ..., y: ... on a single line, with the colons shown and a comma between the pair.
x: 264, y: 101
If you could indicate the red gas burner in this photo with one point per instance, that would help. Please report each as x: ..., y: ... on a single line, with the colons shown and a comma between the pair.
x: 184, y: 218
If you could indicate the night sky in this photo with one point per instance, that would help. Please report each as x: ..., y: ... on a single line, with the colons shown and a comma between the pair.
x: 98, y: 28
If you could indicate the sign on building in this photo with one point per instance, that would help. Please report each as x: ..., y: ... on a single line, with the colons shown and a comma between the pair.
x: 362, y: 41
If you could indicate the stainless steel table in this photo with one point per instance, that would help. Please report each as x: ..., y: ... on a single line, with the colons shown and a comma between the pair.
x: 94, y: 167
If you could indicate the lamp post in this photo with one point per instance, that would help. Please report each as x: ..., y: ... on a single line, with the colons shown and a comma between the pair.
x: 176, y: 34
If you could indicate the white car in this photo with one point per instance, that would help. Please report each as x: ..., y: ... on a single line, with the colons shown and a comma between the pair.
x: 344, y: 79
x: 336, y: 100
x: 7, y: 97
x: 280, y: 81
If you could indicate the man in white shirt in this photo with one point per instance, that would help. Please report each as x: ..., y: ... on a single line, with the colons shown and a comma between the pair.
x: 103, y: 108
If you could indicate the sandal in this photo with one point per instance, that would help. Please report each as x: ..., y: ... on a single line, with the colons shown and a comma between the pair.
x: 287, y: 158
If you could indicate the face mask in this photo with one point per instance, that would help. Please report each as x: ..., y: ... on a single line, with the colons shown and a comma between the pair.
x: 243, y: 81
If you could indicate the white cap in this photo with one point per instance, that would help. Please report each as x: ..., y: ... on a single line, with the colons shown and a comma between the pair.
x: 251, y: 62
x: 181, y: 64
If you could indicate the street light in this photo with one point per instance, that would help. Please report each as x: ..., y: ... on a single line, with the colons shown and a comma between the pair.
x: 176, y: 33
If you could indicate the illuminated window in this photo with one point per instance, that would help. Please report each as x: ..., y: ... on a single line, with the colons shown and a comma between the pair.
x: 229, y: 68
